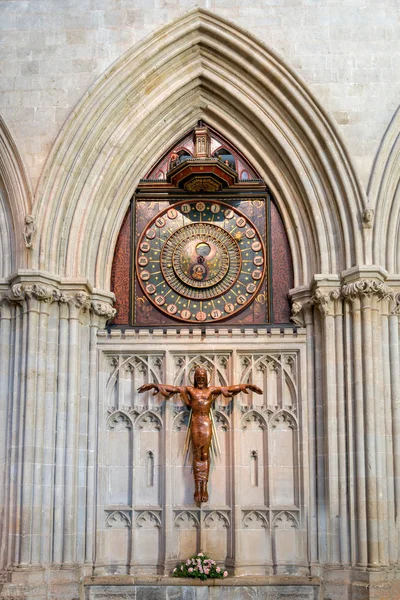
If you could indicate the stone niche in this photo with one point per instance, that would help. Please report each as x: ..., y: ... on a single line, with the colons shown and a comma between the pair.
x: 256, y: 520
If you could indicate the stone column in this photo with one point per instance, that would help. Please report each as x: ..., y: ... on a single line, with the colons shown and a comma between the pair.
x: 371, y: 510
x: 394, y: 358
x: 51, y: 377
x: 354, y: 378
x: 7, y: 349
x: 100, y: 312
x: 332, y: 429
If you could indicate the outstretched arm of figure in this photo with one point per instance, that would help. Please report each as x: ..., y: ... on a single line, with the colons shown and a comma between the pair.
x: 165, y: 390
x: 232, y: 390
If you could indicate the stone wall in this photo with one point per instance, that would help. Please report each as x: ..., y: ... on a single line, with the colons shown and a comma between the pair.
x: 52, y: 52
x: 68, y: 404
x: 256, y: 518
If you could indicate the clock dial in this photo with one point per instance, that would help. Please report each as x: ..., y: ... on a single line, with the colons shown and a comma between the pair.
x: 200, y: 261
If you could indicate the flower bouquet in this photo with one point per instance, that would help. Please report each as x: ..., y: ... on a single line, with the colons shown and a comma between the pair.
x: 199, y: 566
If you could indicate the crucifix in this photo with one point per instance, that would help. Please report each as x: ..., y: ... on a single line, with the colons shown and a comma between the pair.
x: 200, y: 398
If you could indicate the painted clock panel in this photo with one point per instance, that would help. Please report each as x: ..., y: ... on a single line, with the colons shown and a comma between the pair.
x: 200, y: 261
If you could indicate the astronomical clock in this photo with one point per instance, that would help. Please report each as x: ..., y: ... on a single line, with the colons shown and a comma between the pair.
x: 200, y: 251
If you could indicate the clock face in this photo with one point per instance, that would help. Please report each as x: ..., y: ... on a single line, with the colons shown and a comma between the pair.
x: 200, y: 261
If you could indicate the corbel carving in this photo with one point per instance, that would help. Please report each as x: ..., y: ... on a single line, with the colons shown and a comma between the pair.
x: 102, y: 309
x: 297, y: 315
x: 368, y: 218
x: 29, y: 230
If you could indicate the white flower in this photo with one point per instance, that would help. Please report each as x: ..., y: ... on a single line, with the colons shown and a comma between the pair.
x: 225, y: 573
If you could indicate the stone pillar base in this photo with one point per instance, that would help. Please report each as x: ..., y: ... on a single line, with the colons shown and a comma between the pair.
x: 359, y: 584
x: 41, y: 584
x: 162, y: 588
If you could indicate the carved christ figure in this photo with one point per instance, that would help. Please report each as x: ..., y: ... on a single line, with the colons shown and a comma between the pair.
x: 200, y: 398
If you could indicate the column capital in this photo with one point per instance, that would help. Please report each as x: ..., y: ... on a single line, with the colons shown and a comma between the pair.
x: 360, y: 282
x: 367, y: 288
x: 396, y: 307
x: 324, y: 299
x: 77, y: 300
x: 322, y: 294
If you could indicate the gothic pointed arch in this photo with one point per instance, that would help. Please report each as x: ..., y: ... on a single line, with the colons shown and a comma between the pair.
x: 176, y: 76
x: 15, y: 204
x: 384, y: 195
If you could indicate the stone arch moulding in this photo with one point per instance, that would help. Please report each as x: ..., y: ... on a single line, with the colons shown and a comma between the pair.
x: 384, y: 196
x: 15, y: 204
x: 155, y: 93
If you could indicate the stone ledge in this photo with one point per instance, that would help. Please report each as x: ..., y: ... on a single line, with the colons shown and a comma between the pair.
x: 243, y: 581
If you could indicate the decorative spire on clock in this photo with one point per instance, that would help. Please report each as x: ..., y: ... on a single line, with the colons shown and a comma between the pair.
x: 202, y: 142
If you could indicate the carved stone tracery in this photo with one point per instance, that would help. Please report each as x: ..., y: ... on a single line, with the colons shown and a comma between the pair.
x: 217, y: 519
x: 186, y: 519
x: 118, y: 520
x: 148, y: 519
x: 255, y: 519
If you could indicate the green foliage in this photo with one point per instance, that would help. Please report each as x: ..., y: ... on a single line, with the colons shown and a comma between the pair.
x: 200, y: 566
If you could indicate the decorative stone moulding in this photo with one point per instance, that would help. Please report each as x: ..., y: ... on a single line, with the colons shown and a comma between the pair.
x: 20, y: 292
x: 367, y: 288
x: 324, y: 297
x: 396, y: 308
x: 17, y: 223
x: 384, y: 199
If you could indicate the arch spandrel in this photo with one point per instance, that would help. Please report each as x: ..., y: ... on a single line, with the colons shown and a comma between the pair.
x: 155, y: 93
